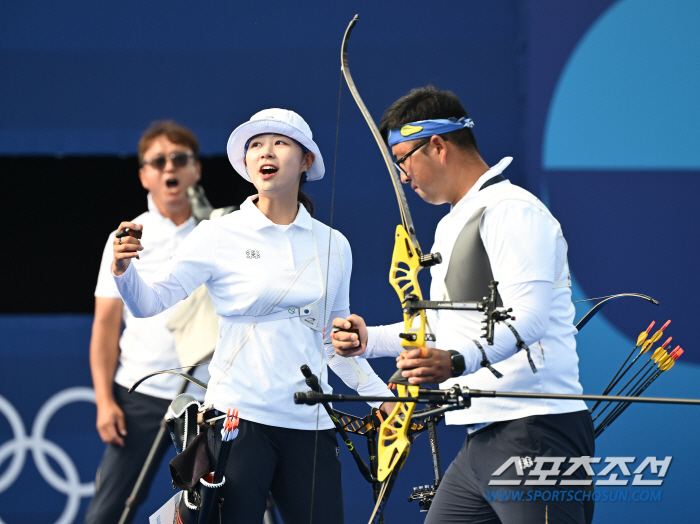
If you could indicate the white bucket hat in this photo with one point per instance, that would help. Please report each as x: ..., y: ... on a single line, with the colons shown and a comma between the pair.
x: 280, y: 122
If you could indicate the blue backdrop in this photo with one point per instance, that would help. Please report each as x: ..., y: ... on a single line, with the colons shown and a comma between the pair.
x: 594, y: 100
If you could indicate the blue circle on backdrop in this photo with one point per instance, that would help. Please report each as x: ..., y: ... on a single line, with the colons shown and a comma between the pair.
x: 620, y: 160
x: 628, y: 97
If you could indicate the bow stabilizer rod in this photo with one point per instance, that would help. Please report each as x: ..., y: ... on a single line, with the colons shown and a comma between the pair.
x: 460, y: 397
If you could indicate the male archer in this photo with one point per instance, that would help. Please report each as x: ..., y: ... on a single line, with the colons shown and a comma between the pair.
x: 494, y: 231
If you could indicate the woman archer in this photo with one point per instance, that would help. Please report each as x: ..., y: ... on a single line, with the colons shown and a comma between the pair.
x: 277, y: 278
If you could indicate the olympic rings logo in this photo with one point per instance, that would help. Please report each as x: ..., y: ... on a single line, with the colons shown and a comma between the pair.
x: 70, y: 485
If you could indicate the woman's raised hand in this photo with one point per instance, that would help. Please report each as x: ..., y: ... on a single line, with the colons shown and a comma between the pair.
x: 126, y: 246
x: 349, y: 336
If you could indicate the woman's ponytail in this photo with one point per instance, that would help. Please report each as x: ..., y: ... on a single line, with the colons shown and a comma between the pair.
x: 303, y: 198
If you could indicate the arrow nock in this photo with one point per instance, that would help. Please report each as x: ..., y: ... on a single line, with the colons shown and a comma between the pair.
x: 676, y: 353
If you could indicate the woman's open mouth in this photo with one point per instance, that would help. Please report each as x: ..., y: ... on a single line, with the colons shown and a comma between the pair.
x: 268, y: 170
x: 172, y: 182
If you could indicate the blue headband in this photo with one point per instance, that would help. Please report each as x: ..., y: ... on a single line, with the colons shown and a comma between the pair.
x: 427, y: 128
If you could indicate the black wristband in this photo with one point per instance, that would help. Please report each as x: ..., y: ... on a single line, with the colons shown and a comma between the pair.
x: 457, y: 363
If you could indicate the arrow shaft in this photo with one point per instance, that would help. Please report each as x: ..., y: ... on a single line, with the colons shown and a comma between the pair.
x: 624, y: 373
x: 613, y: 381
x: 643, y: 368
x: 635, y: 390
x: 622, y: 407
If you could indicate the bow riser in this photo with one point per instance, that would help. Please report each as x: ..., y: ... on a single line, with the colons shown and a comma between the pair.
x: 403, y: 276
x: 394, y: 444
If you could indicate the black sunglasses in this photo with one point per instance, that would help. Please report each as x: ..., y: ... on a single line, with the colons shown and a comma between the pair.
x: 178, y: 159
x: 403, y: 158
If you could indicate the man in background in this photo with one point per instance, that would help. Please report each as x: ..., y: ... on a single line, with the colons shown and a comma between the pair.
x: 128, y: 423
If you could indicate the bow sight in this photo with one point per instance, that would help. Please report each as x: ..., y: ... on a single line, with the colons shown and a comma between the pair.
x: 492, y: 314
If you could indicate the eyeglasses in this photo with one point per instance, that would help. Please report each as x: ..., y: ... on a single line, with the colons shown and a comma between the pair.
x: 179, y: 159
x: 403, y: 158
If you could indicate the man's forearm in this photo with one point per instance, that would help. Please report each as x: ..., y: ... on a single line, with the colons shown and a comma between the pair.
x: 104, y: 357
x: 531, y: 303
x: 384, y: 341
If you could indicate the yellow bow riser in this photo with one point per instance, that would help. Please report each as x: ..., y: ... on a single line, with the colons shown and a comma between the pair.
x: 403, y: 276
x: 393, y: 445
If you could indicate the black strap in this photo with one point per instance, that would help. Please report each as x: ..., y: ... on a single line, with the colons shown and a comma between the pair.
x: 492, y: 181
x: 522, y: 345
x: 485, y: 361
